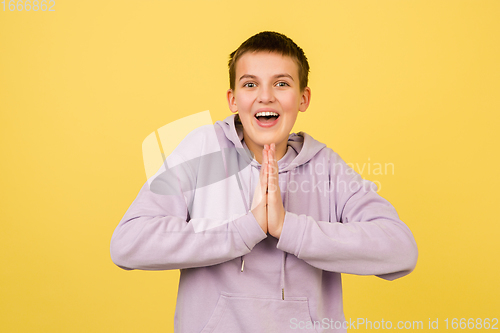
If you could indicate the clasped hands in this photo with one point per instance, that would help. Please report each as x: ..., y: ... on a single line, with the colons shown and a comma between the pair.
x: 267, y: 206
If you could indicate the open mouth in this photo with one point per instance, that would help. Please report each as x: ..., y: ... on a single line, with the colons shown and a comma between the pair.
x: 267, y: 117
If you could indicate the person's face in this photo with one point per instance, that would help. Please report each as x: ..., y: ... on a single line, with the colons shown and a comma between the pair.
x: 267, y: 97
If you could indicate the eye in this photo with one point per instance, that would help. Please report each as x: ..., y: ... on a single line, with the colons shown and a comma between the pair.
x: 282, y: 84
x: 249, y: 85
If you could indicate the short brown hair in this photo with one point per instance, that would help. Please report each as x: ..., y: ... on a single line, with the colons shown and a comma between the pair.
x: 273, y: 42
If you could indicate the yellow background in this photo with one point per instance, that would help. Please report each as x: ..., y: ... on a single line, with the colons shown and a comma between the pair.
x: 407, y: 82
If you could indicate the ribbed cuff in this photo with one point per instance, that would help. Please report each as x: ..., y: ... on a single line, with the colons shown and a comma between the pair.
x: 292, y: 234
x: 249, y: 229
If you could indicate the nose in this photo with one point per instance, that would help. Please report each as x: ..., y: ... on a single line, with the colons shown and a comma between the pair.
x: 266, y: 94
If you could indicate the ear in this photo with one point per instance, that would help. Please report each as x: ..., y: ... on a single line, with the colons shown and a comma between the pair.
x: 305, y: 99
x: 231, y: 101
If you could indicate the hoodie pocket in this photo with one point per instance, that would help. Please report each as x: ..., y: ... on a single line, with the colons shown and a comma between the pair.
x: 237, y: 313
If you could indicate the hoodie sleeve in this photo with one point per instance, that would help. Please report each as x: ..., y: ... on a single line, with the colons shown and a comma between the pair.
x: 369, y: 240
x: 157, y: 232
x: 154, y: 234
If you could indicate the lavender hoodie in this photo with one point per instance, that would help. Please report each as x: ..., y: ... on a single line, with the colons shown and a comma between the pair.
x: 194, y: 215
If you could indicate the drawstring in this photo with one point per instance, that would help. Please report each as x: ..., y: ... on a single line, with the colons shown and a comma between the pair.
x: 283, y: 275
x: 245, y: 202
x: 283, y: 258
x: 247, y: 209
x: 223, y: 145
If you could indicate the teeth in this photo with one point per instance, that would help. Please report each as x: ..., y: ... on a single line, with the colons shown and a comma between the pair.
x: 267, y: 114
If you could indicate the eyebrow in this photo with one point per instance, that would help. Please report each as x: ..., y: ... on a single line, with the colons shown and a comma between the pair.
x: 277, y: 76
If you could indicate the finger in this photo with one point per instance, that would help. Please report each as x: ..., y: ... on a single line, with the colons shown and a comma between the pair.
x: 274, y: 162
x: 273, y: 173
x: 263, y: 167
x: 265, y: 155
x: 264, y: 170
x: 265, y: 162
x: 275, y: 211
x: 261, y: 189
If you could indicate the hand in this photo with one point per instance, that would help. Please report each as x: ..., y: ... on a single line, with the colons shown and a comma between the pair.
x: 259, y: 202
x: 275, y: 209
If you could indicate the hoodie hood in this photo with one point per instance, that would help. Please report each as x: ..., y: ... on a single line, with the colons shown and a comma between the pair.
x: 295, y: 155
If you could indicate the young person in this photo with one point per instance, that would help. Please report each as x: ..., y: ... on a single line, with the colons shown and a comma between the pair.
x: 262, y: 222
